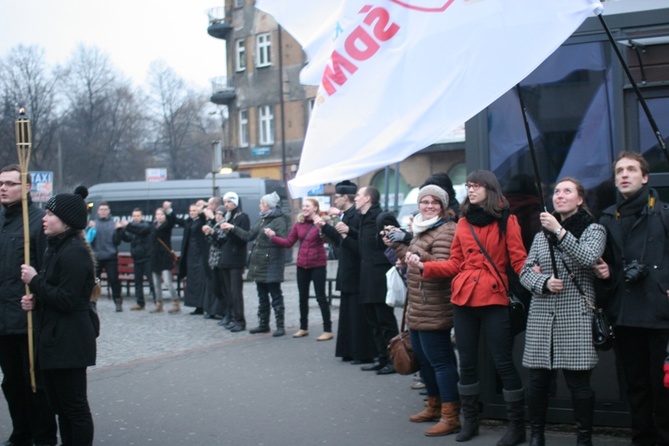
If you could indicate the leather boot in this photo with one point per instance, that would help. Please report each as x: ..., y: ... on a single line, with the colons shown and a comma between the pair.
x: 449, y: 422
x: 515, y: 410
x: 263, y: 322
x: 469, y: 400
x: 158, y: 308
x: 175, y: 307
x: 537, y: 405
x: 432, y: 411
x: 584, y: 411
x: 279, y: 314
x: 119, y: 304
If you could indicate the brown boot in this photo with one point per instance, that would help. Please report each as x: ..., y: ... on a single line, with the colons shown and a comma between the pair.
x: 432, y: 411
x: 449, y: 423
x: 175, y: 307
x: 158, y: 308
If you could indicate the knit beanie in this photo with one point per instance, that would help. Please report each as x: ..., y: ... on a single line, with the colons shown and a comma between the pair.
x: 346, y: 188
x: 221, y: 209
x: 271, y: 200
x: 231, y: 196
x: 435, y: 191
x: 70, y: 208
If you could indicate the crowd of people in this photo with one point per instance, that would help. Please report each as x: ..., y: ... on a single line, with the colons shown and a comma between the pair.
x: 461, y: 263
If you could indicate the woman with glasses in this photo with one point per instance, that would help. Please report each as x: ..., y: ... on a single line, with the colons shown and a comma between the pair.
x: 480, y: 300
x: 429, y: 311
x: 560, y: 320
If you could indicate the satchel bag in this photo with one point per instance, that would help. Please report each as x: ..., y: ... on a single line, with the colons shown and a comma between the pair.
x: 401, y: 352
x: 517, y: 309
x: 602, y: 331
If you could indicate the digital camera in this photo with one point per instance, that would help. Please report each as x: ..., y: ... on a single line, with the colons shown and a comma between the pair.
x: 635, y: 271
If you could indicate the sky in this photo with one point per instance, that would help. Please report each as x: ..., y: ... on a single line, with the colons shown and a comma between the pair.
x: 133, y: 33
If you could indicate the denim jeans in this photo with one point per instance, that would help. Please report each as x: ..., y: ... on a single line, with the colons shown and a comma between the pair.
x: 438, y: 366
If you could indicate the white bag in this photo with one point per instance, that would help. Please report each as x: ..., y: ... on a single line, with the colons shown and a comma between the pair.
x: 397, y: 290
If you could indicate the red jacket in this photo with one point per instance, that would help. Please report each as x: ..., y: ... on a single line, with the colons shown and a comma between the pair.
x: 312, y: 251
x: 475, y: 282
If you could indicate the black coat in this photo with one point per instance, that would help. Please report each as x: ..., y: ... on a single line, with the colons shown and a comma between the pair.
x: 192, y: 226
x: 348, y: 270
x: 161, y: 257
x: 139, y: 236
x: 234, y: 249
x: 642, y: 304
x: 373, y: 262
x: 12, y: 317
x: 62, y: 289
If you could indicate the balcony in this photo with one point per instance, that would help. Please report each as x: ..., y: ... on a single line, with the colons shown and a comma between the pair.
x: 218, y: 26
x: 222, y: 91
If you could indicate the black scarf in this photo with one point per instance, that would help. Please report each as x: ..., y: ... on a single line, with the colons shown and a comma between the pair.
x: 628, y: 210
x: 477, y: 216
x: 575, y: 224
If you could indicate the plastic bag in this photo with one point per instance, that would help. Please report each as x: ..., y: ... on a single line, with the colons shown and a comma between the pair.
x: 397, y: 290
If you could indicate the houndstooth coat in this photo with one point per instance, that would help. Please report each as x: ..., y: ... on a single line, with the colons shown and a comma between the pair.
x: 559, y: 326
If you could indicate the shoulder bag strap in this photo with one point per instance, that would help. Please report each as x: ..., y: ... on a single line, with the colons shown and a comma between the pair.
x: 171, y: 251
x: 487, y: 256
x: 572, y: 276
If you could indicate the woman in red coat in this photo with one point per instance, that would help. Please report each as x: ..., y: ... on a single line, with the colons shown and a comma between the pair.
x: 480, y: 299
x: 311, y: 266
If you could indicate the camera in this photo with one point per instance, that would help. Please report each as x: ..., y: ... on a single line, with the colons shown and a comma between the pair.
x: 635, y: 271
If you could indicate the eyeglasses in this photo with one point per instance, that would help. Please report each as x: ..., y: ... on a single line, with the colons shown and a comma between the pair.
x: 9, y: 183
x: 429, y: 203
x: 473, y: 186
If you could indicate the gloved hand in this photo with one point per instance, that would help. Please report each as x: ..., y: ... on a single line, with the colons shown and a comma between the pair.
x: 397, y: 236
x: 666, y: 375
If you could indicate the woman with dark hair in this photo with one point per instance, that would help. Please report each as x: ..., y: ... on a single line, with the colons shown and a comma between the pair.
x: 480, y: 299
x: 162, y: 257
x: 560, y: 320
x: 66, y: 335
x: 430, y: 313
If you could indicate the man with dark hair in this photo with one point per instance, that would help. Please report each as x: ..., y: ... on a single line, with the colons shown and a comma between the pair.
x: 138, y: 233
x: 355, y: 341
x: 104, y: 236
x: 373, y: 268
x: 33, y: 420
x: 634, y: 268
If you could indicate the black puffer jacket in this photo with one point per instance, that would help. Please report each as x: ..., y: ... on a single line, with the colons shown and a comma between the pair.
x: 139, y: 236
x: 12, y: 317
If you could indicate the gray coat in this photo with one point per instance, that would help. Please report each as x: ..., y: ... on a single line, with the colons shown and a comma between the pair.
x: 559, y: 326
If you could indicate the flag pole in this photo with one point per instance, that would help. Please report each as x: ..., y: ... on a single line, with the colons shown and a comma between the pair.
x: 637, y: 91
x: 23, y: 147
x: 535, y: 166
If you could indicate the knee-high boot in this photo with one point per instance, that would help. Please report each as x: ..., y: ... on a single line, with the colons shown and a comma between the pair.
x: 537, y: 406
x: 584, y: 411
x: 515, y: 410
x: 279, y: 314
x: 469, y: 401
x: 263, y: 321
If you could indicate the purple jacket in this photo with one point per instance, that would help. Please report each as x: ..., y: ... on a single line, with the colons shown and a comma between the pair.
x: 312, y: 252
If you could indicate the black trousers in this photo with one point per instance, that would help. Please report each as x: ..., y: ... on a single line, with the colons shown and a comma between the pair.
x: 33, y: 419
x: 111, y: 266
x: 234, y: 283
x: 143, y: 268
x: 382, y: 319
x: 641, y: 353
x: 66, y: 389
x: 578, y: 382
x: 316, y: 275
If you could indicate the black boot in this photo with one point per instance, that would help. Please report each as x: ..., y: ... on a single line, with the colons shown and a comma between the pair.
x: 119, y: 304
x: 515, y: 409
x: 584, y: 411
x: 469, y: 406
x: 279, y: 313
x: 263, y: 322
x: 537, y: 405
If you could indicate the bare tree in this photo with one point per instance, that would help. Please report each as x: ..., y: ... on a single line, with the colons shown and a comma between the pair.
x: 26, y: 81
x: 181, y: 139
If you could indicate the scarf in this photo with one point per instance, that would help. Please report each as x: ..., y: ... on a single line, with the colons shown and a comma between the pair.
x: 576, y: 224
x: 477, y: 216
x: 419, y: 225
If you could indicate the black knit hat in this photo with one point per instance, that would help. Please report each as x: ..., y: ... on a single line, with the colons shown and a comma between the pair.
x: 346, y: 188
x: 70, y: 208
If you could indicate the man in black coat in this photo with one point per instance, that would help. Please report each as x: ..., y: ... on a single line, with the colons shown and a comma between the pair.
x: 355, y: 341
x: 33, y: 420
x: 373, y: 268
x: 194, y: 255
x: 138, y: 233
x: 634, y: 267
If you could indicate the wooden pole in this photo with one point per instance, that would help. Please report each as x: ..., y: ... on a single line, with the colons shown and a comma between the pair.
x: 23, y: 147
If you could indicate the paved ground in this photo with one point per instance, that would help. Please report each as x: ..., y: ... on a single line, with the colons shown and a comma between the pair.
x: 182, y: 380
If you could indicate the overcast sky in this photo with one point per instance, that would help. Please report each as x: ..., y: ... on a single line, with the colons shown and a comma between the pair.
x: 132, y: 32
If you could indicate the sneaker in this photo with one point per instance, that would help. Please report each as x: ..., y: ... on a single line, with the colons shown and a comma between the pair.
x: 137, y: 307
x: 418, y: 385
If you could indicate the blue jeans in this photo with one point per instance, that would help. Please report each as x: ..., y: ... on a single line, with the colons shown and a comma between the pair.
x: 494, y: 319
x: 438, y: 366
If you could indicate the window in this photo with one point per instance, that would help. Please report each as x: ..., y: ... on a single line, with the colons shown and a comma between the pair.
x: 266, y: 125
x: 243, y: 128
x: 239, y: 3
x: 263, y: 46
x: 240, y: 54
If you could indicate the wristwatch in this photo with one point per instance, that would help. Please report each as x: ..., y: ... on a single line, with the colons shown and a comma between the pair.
x: 559, y: 231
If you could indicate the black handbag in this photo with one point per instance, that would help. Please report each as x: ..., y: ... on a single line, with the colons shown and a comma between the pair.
x: 602, y: 331
x: 517, y: 309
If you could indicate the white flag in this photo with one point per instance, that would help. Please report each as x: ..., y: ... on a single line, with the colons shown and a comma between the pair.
x: 397, y: 75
